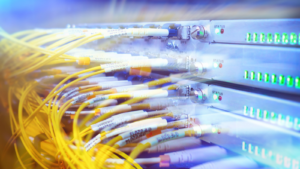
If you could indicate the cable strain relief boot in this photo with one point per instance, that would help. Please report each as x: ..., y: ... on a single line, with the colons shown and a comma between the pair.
x: 164, y: 161
x: 84, y: 61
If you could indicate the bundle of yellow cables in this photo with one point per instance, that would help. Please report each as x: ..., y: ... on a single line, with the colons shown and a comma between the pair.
x: 34, y: 112
x: 37, y: 99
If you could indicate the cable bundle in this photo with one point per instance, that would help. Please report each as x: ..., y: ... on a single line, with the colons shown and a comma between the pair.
x: 68, y: 111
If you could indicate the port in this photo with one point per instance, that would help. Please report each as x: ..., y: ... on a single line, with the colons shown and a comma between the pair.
x: 198, y: 32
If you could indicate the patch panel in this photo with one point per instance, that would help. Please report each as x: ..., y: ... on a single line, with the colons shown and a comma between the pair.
x: 271, y: 32
x: 275, y: 111
x: 251, y: 65
x: 235, y: 83
x: 263, y: 56
x: 250, y: 55
x: 251, y: 138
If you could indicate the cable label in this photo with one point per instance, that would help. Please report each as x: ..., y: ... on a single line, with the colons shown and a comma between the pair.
x: 164, y: 137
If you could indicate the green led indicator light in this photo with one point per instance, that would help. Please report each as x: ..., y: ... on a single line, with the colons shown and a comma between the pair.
x: 281, y: 119
x: 297, y: 82
x: 267, y: 78
x: 246, y: 75
x: 293, y: 38
x: 248, y: 37
x: 216, y: 65
x: 263, y: 153
x: 215, y: 96
x: 257, y: 151
x: 289, y: 121
x: 277, y: 38
x: 245, y: 110
x: 259, y: 76
x: 255, y: 37
x: 262, y: 37
x: 279, y: 159
x: 252, y: 113
x: 289, y: 81
x: 259, y: 114
x: 252, y: 75
x: 250, y: 148
x: 273, y: 117
x: 274, y: 79
x: 271, y: 155
x: 297, y: 124
x: 244, y: 146
x: 269, y: 38
x: 287, y: 162
x: 295, y: 164
x: 217, y: 30
x: 285, y: 38
x: 266, y: 115
x: 281, y: 80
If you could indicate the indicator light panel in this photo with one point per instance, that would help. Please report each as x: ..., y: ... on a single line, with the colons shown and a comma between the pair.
x: 217, y: 65
x: 279, y: 119
x: 289, y: 81
x: 276, y: 38
x: 279, y: 159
